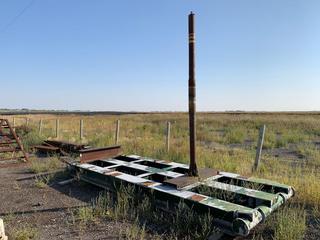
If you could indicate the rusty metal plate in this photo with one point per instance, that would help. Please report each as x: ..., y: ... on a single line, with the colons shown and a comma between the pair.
x: 185, y: 181
x: 92, y: 154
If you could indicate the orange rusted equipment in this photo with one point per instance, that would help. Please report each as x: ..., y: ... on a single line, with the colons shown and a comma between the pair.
x: 10, y: 144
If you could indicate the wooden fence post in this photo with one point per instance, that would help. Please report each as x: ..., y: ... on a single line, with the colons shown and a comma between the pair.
x: 259, y: 148
x: 57, y: 128
x: 168, y: 136
x: 13, y: 122
x: 81, y: 129
x: 40, y: 126
x: 27, y: 121
x: 117, y: 132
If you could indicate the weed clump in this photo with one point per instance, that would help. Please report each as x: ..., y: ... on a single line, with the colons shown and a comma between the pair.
x: 29, y: 137
x: 289, y: 223
x: 177, y: 222
x: 44, y: 165
x: 25, y: 233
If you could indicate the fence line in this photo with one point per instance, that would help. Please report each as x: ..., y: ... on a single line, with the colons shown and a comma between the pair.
x: 168, y: 136
x: 56, y: 132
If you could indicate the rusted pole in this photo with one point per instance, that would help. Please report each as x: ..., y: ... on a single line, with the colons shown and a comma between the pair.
x: 168, y: 136
x: 81, y: 129
x: 193, y: 171
x: 117, y: 132
x: 259, y: 148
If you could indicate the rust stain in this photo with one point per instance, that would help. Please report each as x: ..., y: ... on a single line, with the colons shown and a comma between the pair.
x: 114, y: 174
x: 197, y: 198
x: 148, y: 183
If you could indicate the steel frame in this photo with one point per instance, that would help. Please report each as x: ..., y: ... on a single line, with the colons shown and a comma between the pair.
x: 253, y: 199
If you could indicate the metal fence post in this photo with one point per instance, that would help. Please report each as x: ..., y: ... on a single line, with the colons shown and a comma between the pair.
x: 13, y: 122
x: 57, y: 128
x: 168, y: 136
x: 117, y: 131
x: 81, y: 129
x: 40, y: 126
x: 259, y: 148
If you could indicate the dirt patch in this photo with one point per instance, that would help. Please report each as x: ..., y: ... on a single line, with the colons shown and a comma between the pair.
x: 49, y: 210
x: 283, y: 153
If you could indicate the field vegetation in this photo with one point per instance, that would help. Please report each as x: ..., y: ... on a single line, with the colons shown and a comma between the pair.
x: 225, y: 142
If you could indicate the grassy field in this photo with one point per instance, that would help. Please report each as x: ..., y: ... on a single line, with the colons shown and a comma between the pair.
x: 225, y: 142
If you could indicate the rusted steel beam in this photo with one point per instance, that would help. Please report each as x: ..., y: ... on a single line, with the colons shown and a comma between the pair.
x: 8, y: 142
x: 66, y: 146
x: 43, y: 147
x: 193, y: 171
x: 8, y: 149
x: 92, y: 154
x: 13, y: 163
x: 47, y: 149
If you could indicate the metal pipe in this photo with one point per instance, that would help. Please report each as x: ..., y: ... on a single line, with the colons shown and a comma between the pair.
x: 193, y: 171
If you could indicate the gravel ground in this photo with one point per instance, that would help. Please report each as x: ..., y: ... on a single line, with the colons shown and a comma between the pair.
x: 49, y: 209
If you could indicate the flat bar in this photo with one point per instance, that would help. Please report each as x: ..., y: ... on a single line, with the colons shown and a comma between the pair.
x: 185, y: 181
x: 263, y: 185
x: 254, y: 196
x: 46, y: 148
x: 2, y: 150
x: 9, y: 142
x: 66, y: 146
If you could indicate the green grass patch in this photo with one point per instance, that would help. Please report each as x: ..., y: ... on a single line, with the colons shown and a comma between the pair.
x: 289, y: 223
x: 45, y: 165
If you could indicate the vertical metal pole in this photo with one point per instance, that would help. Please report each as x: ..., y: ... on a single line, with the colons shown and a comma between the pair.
x: 117, y: 131
x: 259, y: 148
x: 40, y: 126
x: 81, y: 129
x: 168, y: 136
x: 57, y: 128
x: 193, y: 171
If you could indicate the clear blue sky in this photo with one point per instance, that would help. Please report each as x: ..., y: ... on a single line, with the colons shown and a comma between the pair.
x: 133, y: 55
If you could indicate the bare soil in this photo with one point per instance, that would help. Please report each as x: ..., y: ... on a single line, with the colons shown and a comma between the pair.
x: 49, y: 209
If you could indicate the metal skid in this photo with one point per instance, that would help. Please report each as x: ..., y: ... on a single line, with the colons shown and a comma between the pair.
x: 236, y: 203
